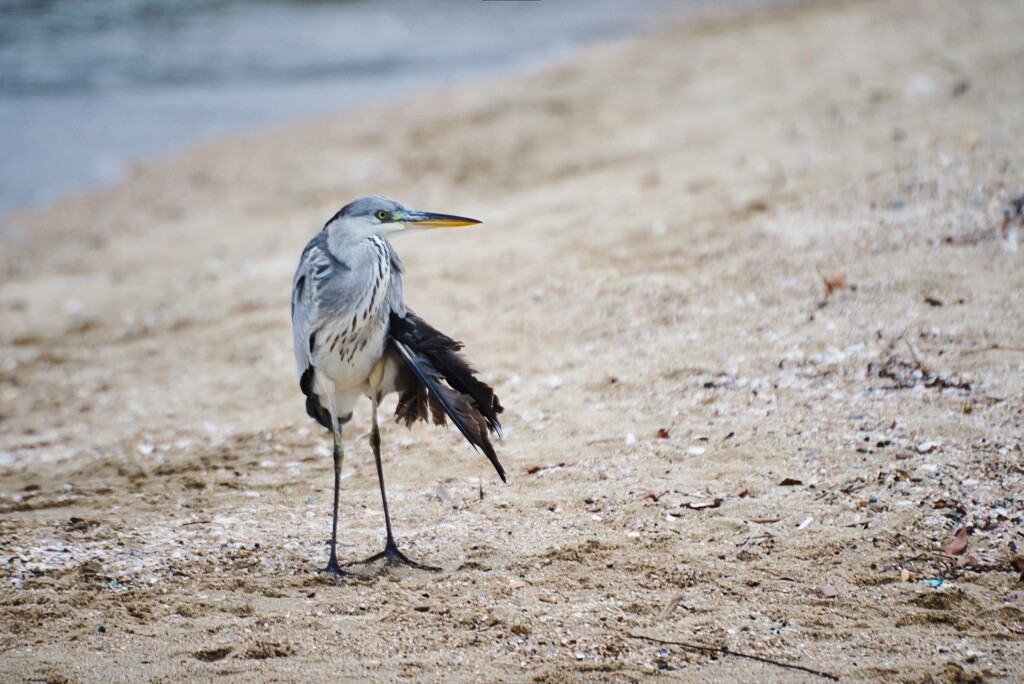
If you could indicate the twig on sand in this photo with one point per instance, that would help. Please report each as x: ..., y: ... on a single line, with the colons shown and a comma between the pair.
x: 672, y: 605
x: 913, y: 352
x: 991, y: 347
x: 722, y: 650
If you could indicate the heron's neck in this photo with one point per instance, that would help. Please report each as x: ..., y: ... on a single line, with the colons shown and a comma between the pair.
x: 341, y: 241
x: 344, y: 244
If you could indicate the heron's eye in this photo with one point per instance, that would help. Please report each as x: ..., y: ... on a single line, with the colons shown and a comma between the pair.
x: 382, y: 214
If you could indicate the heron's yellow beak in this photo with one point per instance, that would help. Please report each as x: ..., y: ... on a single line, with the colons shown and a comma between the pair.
x: 426, y: 219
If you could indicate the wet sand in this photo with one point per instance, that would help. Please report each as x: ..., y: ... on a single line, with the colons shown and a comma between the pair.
x: 749, y: 287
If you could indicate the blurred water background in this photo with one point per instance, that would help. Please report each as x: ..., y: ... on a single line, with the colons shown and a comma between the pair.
x: 87, y: 86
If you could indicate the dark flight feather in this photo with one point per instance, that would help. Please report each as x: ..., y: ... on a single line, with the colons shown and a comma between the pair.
x: 442, y: 382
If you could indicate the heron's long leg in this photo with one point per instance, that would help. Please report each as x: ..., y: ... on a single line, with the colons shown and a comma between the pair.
x: 375, y: 445
x: 333, y: 568
x: 391, y: 553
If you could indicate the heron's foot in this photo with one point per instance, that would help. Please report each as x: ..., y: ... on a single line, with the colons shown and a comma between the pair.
x: 336, y: 573
x: 393, y: 556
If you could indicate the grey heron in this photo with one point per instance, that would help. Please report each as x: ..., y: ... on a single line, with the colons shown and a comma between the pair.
x: 354, y: 336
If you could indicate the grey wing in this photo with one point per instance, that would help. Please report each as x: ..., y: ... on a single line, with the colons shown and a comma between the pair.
x: 305, y: 313
x: 316, y: 288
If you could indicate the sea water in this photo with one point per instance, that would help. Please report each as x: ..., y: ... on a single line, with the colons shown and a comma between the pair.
x: 88, y: 86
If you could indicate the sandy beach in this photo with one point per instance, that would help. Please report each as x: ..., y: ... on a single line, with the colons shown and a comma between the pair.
x: 749, y: 287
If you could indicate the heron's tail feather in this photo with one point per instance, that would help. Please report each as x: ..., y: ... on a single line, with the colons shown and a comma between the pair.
x: 447, y: 384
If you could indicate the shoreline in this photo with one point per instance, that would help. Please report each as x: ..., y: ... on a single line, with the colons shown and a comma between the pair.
x: 521, y: 67
x: 134, y: 110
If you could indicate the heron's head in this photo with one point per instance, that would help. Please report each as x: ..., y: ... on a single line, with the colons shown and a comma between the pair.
x: 383, y: 216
